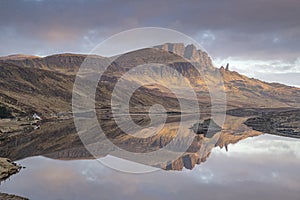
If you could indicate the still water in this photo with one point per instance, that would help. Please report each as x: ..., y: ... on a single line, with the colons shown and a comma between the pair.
x: 262, y: 167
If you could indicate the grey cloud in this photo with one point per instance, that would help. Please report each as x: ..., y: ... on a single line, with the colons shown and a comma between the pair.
x: 287, y: 78
x: 260, y: 29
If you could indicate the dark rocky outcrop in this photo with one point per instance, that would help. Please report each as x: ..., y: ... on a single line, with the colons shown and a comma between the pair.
x: 227, y: 67
x: 284, y: 123
x: 5, y: 112
x: 207, y: 127
x: 4, y: 196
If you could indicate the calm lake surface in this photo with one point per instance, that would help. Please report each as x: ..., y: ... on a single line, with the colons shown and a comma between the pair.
x: 262, y: 167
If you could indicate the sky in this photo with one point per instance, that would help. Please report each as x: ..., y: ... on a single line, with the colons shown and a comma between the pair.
x: 259, y: 38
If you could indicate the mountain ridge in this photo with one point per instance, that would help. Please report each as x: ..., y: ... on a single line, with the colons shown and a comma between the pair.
x: 47, y: 82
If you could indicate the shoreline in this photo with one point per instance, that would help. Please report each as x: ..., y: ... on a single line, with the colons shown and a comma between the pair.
x: 8, y: 168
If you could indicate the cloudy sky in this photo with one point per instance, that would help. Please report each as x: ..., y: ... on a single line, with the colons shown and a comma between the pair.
x: 259, y: 38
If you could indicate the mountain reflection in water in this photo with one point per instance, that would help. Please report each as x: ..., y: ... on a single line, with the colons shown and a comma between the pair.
x: 59, y: 140
x: 264, y: 167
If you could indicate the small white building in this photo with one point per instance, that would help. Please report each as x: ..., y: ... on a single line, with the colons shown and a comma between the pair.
x: 36, y: 117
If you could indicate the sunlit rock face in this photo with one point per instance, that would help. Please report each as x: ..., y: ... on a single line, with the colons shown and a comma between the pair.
x: 177, y: 48
x: 189, y: 52
x: 7, y: 168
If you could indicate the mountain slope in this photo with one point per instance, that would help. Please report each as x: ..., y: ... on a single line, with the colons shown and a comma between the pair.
x: 32, y: 84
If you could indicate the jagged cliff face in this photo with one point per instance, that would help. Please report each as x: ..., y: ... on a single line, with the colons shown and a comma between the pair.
x: 189, y: 52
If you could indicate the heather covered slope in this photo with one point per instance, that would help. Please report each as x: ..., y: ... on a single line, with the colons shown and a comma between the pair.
x: 44, y: 85
x: 28, y: 90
